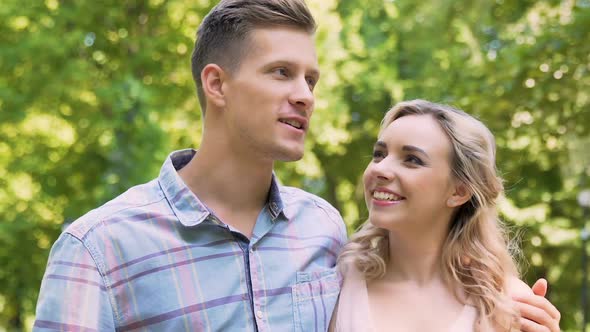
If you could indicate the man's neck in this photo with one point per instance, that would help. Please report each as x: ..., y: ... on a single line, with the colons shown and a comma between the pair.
x: 234, y: 187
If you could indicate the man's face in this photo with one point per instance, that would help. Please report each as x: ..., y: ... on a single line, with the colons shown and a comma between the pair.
x: 269, y: 98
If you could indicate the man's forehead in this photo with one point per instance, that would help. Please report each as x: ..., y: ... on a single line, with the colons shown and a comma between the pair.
x: 287, y: 44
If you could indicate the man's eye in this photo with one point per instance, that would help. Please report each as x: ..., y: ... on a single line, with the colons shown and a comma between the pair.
x: 282, y: 72
x: 311, y: 82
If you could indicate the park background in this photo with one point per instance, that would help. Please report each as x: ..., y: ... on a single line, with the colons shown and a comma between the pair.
x: 94, y: 95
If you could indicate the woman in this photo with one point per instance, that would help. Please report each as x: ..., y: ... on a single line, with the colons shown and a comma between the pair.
x: 433, y: 255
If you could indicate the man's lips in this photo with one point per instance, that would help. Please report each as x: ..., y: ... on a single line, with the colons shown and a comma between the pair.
x: 297, y: 122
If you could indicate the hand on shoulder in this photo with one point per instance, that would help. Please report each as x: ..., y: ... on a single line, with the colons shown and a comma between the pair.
x: 538, y: 313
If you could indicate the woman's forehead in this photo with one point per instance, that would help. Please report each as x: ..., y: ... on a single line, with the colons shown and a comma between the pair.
x: 422, y: 131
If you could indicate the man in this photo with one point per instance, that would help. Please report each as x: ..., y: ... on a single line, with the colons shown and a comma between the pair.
x: 215, y: 243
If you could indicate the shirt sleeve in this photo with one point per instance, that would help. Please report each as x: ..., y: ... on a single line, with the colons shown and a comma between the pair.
x: 336, y: 218
x: 343, y: 231
x: 73, y: 294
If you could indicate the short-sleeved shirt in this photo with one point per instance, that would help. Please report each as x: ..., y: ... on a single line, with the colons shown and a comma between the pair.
x: 156, y: 259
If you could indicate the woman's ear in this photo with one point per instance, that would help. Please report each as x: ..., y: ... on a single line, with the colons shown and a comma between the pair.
x: 460, y: 196
x: 212, y: 78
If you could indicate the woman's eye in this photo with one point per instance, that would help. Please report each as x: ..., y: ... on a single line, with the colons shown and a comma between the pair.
x: 414, y: 160
x: 378, y: 155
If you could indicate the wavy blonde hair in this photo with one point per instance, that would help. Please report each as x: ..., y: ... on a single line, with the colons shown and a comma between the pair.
x: 476, y: 255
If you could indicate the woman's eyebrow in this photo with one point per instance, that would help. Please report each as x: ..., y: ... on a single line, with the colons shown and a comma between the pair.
x: 412, y: 148
x: 380, y: 144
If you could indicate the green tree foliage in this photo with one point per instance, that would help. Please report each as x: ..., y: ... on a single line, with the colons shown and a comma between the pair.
x: 93, y: 97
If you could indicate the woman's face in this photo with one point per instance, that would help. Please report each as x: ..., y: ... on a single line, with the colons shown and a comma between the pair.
x: 408, y: 183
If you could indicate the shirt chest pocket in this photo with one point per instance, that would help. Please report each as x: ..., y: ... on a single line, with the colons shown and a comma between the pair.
x: 314, y: 298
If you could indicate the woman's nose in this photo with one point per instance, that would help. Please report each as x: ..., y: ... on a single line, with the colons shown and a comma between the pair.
x: 384, y: 170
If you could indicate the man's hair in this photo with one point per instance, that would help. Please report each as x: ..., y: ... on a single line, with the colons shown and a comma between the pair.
x: 223, y: 35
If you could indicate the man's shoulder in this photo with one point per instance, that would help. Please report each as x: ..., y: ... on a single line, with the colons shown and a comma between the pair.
x: 137, y: 200
x: 311, y: 210
x: 298, y: 201
x: 297, y: 196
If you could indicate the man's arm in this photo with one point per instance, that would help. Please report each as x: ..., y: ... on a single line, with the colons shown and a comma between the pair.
x: 73, y: 295
x: 538, y: 313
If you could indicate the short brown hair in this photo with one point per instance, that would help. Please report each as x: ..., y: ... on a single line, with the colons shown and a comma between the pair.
x: 222, y: 36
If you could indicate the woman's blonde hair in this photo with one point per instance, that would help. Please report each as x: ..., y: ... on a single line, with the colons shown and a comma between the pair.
x: 476, y: 255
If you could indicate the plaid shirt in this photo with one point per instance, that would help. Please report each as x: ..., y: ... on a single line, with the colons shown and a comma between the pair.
x: 156, y: 259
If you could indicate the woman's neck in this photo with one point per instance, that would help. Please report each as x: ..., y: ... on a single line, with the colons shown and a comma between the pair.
x: 414, y: 257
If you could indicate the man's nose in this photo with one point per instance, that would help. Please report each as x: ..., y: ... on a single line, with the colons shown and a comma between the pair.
x: 302, y: 95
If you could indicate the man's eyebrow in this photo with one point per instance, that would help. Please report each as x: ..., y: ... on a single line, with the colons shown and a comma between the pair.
x: 315, y: 72
x: 412, y: 148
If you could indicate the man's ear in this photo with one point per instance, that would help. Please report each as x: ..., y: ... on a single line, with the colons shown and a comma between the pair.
x: 212, y: 78
x: 460, y: 196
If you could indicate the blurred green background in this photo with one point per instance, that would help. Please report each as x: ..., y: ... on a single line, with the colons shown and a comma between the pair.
x: 93, y: 96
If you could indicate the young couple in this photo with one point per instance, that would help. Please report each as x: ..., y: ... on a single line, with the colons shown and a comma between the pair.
x: 215, y: 243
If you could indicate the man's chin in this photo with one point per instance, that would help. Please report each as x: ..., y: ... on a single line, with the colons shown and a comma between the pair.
x: 292, y: 158
x: 293, y: 155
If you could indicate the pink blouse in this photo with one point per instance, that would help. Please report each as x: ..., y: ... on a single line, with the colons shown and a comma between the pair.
x: 352, y: 312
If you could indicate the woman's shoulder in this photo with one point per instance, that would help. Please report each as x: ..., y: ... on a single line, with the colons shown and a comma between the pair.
x: 517, y: 288
x: 352, y: 309
x: 466, y: 320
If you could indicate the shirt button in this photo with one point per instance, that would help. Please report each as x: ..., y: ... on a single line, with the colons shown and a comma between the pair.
x: 259, y: 314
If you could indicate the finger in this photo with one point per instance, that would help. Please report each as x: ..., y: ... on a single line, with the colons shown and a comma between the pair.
x: 540, y: 287
x: 528, y: 326
x: 537, y: 318
x: 540, y: 303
